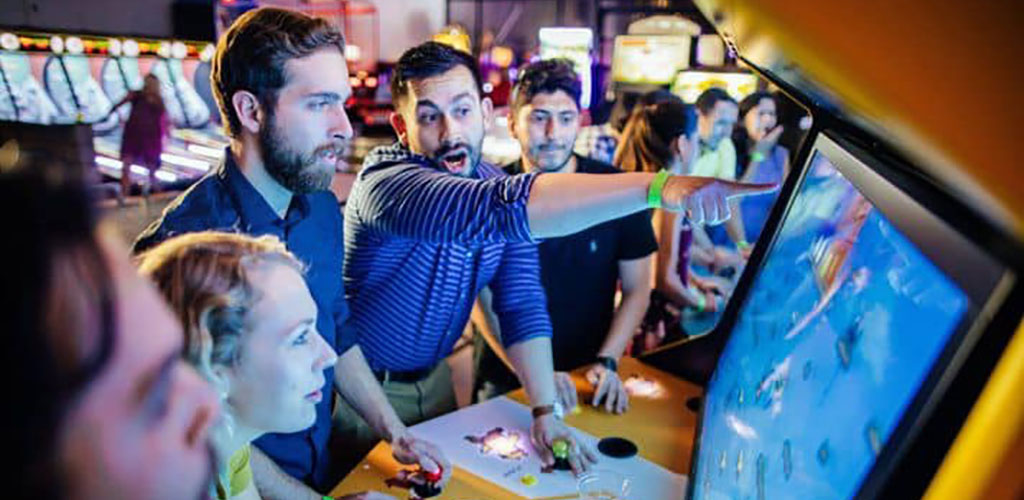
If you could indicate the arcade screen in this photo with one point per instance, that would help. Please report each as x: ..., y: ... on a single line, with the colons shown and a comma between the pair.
x: 838, y: 332
x: 649, y: 58
x: 688, y: 85
x: 573, y: 44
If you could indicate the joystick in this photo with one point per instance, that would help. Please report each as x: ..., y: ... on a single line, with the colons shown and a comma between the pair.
x: 560, y: 449
x: 430, y: 487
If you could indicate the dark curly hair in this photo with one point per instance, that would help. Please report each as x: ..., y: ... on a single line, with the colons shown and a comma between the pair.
x: 546, y: 77
x: 426, y: 60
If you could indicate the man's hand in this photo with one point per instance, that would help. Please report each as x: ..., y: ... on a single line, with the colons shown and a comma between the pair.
x: 608, y: 387
x: 408, y: 449
x: 566, y: 390
x: 367, y: 495
x: 705, y: 200
x: 546, y: 429
x: 714, y: 284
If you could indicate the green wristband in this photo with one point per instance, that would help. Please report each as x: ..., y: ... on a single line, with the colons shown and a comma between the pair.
x: 702, y: 302
x: 654, y: 192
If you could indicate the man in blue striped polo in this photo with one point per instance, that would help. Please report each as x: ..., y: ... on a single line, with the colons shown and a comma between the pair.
x: 428, y: 225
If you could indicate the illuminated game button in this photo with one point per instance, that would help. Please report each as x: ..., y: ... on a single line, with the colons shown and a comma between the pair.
x: 9, y: 41
x: 56, y: 44
x: 433, y: 476
x: 179, y: 50
x: 75, y: 45
x: 207, y: 53
x: 560, y: 448
x: 576, y: 410
x: 130, y: 48
x: 528, y: 480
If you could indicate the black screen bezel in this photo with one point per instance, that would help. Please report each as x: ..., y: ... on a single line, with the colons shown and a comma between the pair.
x: 894, y: 196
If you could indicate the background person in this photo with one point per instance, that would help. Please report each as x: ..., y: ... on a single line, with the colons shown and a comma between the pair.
x: 580, y: 272
x: 144, y: 134
x: 761, y: 157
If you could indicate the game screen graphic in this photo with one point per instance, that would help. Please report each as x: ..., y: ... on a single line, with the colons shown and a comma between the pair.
x: 649, y: 59
x: 501, y: 443
x: 840, y: 329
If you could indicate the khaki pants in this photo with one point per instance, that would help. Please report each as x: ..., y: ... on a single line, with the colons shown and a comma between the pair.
x: 352, y: 438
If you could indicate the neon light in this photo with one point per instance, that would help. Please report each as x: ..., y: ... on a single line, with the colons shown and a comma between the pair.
x: 185, y: 162
x: 205, y: 151
x: 56, y: 44
x: 9, y: 41
x: 166, y: 176
x: 108, y: 162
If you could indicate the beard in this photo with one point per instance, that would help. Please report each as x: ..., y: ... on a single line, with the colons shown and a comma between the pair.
x: 558, y: 154
x: 297, y: 172
x: 459, y: 158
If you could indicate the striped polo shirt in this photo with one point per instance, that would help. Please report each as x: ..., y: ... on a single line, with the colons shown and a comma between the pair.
x: 420, y: 244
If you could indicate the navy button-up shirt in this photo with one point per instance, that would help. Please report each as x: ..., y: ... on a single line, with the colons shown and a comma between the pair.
x: 421, y: 243
x: 224, y: 200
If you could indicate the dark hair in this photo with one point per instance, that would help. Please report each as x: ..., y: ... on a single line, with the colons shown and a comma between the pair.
x: 709, y: 98
x: 252, y: 55
x: 56, y: 287
x: 546, y: 77
x: 623, y: 107
x: 740, y: 136
x: 426, y: 60
x: 647, y: 139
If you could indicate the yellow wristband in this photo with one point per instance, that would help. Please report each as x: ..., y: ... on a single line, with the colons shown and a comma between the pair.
x: 654, y: 192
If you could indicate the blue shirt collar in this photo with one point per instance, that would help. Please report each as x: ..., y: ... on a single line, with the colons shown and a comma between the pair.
x: 253, y: 209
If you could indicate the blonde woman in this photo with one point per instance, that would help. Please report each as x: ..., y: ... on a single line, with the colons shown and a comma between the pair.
x: 250, y: 330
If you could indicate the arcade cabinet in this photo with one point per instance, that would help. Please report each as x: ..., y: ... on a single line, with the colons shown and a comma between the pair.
x: 877, y: 309
x: 869, y: 350
x: 574, y: 44
x: 67, y: 78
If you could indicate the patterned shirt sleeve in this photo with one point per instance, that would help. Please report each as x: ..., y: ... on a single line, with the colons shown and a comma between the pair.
x: 419, y: 203
x: 519, y: 300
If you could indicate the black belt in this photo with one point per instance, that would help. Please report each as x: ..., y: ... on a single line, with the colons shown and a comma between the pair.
x: 407, y: 377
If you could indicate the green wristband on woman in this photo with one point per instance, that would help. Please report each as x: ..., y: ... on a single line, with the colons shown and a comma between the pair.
x: 657, y: 185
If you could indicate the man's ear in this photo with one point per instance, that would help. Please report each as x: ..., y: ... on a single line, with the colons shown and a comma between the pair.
x: 247, y: 107
x: 511, y: 121
x: 398, y: 123
x: 487, y: 107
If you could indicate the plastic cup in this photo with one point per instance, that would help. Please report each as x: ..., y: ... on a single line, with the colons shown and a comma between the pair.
x: 602, y: 484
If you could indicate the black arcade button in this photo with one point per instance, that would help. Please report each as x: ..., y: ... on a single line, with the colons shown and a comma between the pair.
x: 617, y: 447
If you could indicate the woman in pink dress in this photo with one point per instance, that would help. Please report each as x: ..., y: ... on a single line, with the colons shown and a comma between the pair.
x: 144, y: 132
